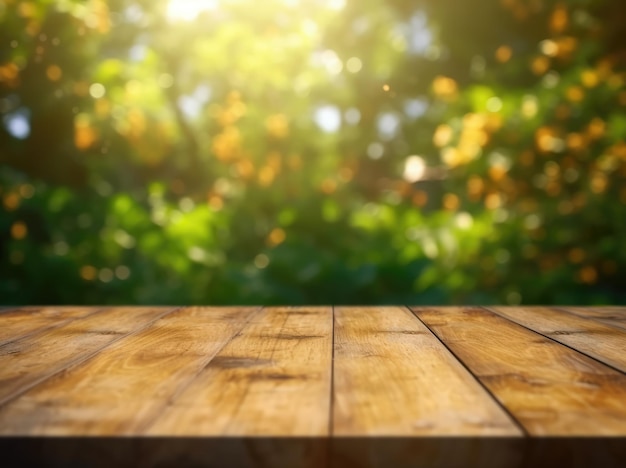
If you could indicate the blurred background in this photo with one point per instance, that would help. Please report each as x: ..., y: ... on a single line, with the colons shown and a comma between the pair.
x: 312, y: 152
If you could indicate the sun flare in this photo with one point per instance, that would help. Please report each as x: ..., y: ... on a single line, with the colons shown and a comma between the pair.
x: 188, y: 10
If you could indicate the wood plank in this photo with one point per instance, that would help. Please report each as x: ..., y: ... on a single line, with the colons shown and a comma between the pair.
x: 598, y: 340
x: 268, y: 390
x: 393, y: 377
x: 34, y: 358
x: 124, y: 387
x: 549, y: 388
x: 22, y: 321
x: 614, y: 316
x: 273, y: 378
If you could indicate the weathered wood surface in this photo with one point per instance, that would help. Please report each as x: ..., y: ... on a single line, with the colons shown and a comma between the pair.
x: 17, y: 323
x: 127, y: 385
x: 615, y: 316
x: 325, y: 377
x: 549, y: 388
x: 36, y: 357
x: 274, y: 378
x: 392, y: 376
x: 603, y: 342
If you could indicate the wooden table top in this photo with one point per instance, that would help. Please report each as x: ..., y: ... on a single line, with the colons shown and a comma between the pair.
x: 403, y: 372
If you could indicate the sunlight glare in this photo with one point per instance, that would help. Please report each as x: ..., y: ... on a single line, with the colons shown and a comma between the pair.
x: 328, y: 118
x: 336, y: 4
x: 188, y: 10
x: 414, y: 168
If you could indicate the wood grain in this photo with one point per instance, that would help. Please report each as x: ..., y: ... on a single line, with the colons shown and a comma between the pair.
x: 601, y: 341
x: 126, y: 385
x: 614, y: 316
x: 273, y: 378
x: 34, y: 358
x: 550, y: 389
x: 276, y: 382
x: 19, y: 322
x: 393, y: 377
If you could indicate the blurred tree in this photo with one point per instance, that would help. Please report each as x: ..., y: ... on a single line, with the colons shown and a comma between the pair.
x: 312, y: 151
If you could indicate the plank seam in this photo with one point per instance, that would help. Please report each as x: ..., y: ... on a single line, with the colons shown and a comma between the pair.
x: 515, y: 421
x: 554, y: 340
x: 599, y: 320
x: 81, y: 360
x: 146, y: 425
x: 331, y: 419
x: 51, y: 326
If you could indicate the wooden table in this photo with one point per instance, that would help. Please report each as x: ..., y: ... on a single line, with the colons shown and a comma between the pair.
x: 313, y: 386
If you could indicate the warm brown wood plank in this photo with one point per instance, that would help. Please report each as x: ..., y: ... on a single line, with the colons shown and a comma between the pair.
x: 32, y: 359
x: 601, y: 341
x: 272, y: 379
x: 19, y: 322
x: 393, y: 377
x: 615, y: 316
x: 549, y: 388
x: 126, y: 385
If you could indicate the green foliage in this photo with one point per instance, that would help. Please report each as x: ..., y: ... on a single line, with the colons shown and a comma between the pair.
x: 312, y: 152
